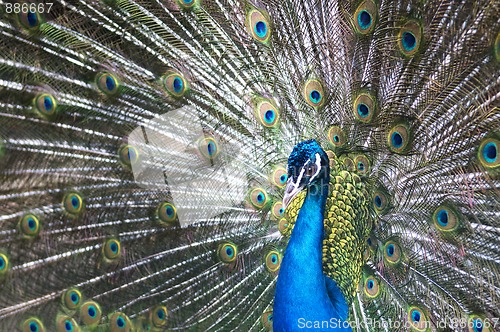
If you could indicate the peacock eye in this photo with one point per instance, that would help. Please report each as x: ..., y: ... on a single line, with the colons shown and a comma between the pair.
x: 310, y: 170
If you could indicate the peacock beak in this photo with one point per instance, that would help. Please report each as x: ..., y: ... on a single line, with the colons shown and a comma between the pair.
x: 291, y: 190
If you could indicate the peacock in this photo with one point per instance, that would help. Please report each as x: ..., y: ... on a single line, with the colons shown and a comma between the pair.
x: 249, y: 165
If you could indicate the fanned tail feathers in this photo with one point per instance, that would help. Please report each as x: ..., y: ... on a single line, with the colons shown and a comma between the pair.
x: 143, y: 147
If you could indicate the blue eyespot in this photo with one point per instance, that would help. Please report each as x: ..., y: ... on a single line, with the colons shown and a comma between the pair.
x: 227, y: 252
x: 390, y: 250
x: 272, y: 261
x: 166, y: 213
x: 364, y: 20
x: 415, y: 316
x: 75, y: 202
x: 259, y: 199
x: 260, y: 29
x: 363, y: 110
x: 114, y: 247
x: 378, y: 201
x: 32, y: 18
x: 92, y: 311
x: 178, y: 85
x: 48, y: 104
x: 490, y: 152
x: 315, y: 96
x: 477, y: 324
x: 110, y: 83
x: 33, y: 327
x: 31, y: 224
x: 128, y: 155
x: 160, y: 314
x: 269, y: 116
x: 74, y: 298
x: 169, y: 211
x: 442, y: 218
x: 120, y: 322
x: 211, y: 148
x: 370, y: 284
x: 274, y: 258
x: 68, y: 325
x: 107, y: 83
x: 409, y: 41
x: 283, y: 178
x: 397, y: 140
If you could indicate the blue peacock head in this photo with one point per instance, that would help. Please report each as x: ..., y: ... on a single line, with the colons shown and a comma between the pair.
x: 308, y: 165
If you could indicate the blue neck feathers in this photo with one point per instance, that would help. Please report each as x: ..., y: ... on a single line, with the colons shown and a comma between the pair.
x: 304, y: 295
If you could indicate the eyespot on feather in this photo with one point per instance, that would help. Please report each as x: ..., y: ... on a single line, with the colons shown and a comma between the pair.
x: 227, y: 252
x: 129, y: 155
x: 446, y: 219
x: 417, y: 319
x: 107, y: 83
x: 365, y: 17
x: 72, y: 298
x: 337, y: 136
x: 4, y: 264
x: 381, y: 201
x: 392, y: 252
x: 259, y: 25
x: 272, y: 261
x: 189, y: 4
x: 159, y: 316
x: 90, y: 313
x: 258, y: 198
x: 73, y: 203
x: 488, y: 153
x: 111, y: 249
x: 29, y: 225
x: 478, y: 323
x: 283, y: 227
x: 399, y: 139
x: 166, y: 213
x: 267, y: 113
x: 175, y: 83
x: 314, y: 93
x: 30, y: 20
x: 45, y: 105
x: 277, y: 210
x: 410, y: 38
x: 364, y: 107
x: 371, y: 287
x: 119, y: 322
x: 33, y: 324
x: 267, y: 320
x: 66, y: 324
x: 279, y: 177
x: 362, y: 164
x: 208, y: 148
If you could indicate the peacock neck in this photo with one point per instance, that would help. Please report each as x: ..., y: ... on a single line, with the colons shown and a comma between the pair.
x: 301, y: 289
x: 309, y: 229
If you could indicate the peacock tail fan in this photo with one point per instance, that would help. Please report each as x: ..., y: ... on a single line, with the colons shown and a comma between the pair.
x: 143, y: 152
